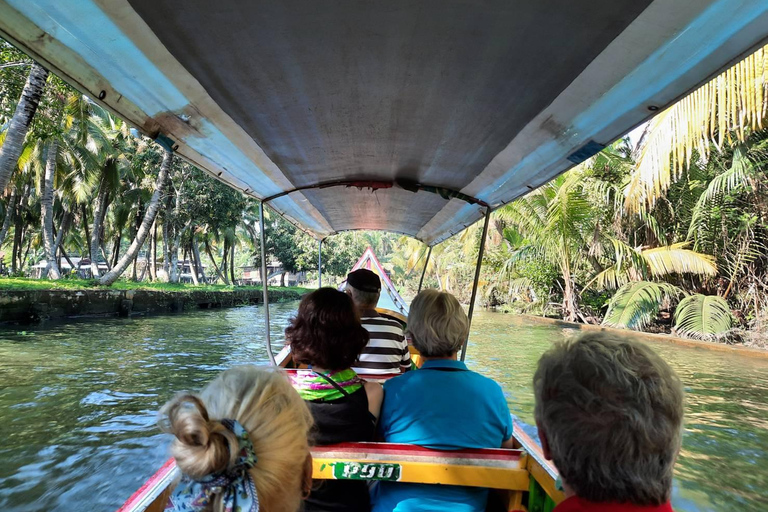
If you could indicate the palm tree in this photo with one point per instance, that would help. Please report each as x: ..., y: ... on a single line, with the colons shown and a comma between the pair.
x: 46, y: 203
x: 553, y: 221
x: 724, y: 111
x: 20, y: 122
x: 153, y: 207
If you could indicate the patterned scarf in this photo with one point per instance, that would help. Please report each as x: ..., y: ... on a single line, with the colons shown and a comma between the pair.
x: 312, y: 386
x: 236, y: 487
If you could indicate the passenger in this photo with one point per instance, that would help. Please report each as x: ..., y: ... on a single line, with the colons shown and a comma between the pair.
x: 609, y: 412
x: 241, y: 444
x: 387, y: 351
x: 441, y: 406
x: 326, y: 335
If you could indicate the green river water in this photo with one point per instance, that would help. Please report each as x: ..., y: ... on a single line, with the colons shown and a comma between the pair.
x: 78, y: 403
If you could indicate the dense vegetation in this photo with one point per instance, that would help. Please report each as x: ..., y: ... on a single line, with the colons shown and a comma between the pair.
x: 664, y: 233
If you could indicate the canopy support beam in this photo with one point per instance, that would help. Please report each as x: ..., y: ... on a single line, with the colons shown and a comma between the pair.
x: 424, y: 270
x: 477, y: 277
x: 264, y: 285
x: 320, y: 264
x: 378, y: 184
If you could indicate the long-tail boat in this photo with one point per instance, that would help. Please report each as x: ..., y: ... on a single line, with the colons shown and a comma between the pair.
x: 414, y: 116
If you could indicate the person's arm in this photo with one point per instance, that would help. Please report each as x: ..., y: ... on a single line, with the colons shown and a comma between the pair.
x: 509, y: 443
x: 375, y: 393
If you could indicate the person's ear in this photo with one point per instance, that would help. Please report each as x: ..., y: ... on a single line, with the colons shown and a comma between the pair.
x: 306, y: 484
x: 544, y: 442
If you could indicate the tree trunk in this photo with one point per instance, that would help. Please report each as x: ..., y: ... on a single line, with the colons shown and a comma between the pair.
x: 174, y: 263
x: 65, y: 223
x: 10, y: 211
x: 23, y: 261
x: 152, y: 260
x: 282, y: 279
x: 16, y: 248
x: 99, y: 209
x: 570, y: 313
x: 232, y: 264
x: 18, y: 228
x: 19, y: 125
x: 134, y: 270
x: 63, y: 228
x: 134, y: 273
x: 115, y: 256
x: 193, y: 263
x: 149, y: 217
x: 213, y: 260
x: 46, y: 206
x: 198, y: 262
x: 224, y: 261
x: 84, y: 214
x: 66, y: 257
x: 104, y: 255
x: 139, y: 217
x: 166, y: 241
x: 144, y: 271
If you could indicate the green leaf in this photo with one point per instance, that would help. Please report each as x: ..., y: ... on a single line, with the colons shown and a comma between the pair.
x: 703, y: 317
x: 637, y: 303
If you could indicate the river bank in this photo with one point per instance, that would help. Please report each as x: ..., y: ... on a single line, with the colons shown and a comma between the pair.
x: 28, y: 302
x: 649, y: 336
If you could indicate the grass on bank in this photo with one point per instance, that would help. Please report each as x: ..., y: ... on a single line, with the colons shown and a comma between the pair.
x: 28, y: 284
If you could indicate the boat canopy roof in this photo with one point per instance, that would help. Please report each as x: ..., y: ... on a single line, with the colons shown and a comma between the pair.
x: 480, y: 102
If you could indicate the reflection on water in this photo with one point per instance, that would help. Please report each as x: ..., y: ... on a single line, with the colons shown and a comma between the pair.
x: 724, y: 462
x: 78, y: 403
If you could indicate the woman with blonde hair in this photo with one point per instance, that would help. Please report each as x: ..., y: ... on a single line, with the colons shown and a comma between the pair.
x: 241, y: 444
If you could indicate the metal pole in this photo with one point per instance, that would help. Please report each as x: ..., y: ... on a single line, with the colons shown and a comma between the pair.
x: 424, y: 271
x: 264, y: 285
x: 320, y: 264
x: 477, y: 278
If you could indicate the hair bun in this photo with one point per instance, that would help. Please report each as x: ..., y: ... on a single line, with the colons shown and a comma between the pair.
x: 202, y: 446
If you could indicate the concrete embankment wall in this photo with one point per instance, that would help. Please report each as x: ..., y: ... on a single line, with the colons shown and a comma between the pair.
x: 647, y: 336
x: 36, y: 306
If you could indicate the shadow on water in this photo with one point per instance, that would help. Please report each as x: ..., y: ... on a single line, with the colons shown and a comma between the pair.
x: 78, y: 403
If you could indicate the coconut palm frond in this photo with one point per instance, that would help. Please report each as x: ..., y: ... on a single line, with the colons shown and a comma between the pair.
x: 676, y: 259
x: 609, y: 279
x: 726, y: 109
x: 703, y: 317
x: 637, y: 303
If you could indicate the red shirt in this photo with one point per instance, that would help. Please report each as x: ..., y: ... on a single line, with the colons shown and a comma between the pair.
x: 576, y: 504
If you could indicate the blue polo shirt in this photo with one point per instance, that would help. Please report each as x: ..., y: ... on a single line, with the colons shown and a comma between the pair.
x: 442, y: 406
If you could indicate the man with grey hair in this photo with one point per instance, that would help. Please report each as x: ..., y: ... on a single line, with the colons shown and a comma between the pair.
x: 387, y: 351
x: 609, y: 412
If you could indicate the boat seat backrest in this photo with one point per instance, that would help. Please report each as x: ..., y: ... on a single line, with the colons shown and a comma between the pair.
x: 491, y: 468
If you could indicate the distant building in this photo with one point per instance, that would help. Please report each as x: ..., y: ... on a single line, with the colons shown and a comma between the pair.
x: 252, y: 275
x: 82, y: 267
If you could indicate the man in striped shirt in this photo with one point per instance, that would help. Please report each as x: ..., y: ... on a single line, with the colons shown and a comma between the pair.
x: 387, y: 351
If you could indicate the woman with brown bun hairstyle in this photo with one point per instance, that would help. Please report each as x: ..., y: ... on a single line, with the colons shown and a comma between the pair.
x: 241, y: 444
x: 326, y: 335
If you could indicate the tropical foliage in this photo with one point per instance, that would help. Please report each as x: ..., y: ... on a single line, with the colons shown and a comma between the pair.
x: 666, y: 232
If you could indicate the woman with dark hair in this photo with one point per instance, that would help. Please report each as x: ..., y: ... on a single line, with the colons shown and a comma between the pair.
x: 327, y: 336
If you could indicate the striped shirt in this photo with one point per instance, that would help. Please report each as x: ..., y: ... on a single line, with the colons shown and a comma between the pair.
x: 387, y: 351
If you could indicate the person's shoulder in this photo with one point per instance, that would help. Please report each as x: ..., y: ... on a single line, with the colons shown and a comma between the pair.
x: 485, y: 382
x: 401, y: 380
